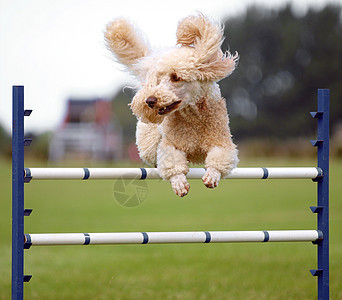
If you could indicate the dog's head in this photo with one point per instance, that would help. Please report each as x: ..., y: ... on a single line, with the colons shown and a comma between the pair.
x: 172, y: 79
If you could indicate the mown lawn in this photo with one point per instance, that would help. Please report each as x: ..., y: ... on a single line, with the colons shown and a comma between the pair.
x: 198, y: 271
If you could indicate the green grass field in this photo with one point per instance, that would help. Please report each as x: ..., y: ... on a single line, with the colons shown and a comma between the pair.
x: 198, y: 271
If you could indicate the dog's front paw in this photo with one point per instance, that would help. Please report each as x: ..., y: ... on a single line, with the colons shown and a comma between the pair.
x: 211, y: 178
x: 180, y: 185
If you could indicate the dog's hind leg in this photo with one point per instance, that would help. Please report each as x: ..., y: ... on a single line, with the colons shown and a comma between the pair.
x: 219, y: 162
x: 173, y: 166
x: 147, y: 139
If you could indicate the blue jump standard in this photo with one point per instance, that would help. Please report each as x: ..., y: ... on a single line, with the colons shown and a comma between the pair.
x: 18, y: 211
x: 322, y: 116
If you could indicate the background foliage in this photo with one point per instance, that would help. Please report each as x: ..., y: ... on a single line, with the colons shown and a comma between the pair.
x: 284, y: 58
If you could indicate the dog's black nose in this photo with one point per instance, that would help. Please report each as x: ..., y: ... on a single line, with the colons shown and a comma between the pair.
x: 151, y: 101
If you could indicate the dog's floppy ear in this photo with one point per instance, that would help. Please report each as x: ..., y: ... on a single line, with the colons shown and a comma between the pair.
x: 206, y: 38
x: 125, y: 42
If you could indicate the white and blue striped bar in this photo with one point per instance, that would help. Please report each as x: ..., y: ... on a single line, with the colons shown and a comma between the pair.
x: 47, y: 239
x: 152, y: 173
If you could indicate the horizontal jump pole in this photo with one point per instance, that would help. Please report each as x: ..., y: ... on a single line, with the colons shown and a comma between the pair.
x: 152, y: 173
x: 46, y: 239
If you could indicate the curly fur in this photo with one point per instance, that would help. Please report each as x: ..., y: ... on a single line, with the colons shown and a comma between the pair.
x: 188, y: 120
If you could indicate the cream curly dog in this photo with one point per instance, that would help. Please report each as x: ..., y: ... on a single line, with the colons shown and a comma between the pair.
x: 182, y: 116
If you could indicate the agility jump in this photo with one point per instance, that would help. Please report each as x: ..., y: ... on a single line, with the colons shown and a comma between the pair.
x: 20, y: 174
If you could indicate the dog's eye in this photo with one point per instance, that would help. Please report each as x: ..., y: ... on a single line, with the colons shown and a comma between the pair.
x: 174, y: 77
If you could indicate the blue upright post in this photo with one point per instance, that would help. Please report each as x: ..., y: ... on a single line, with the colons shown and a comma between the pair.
x: 322, y: 208
x: 323, y: 193
x: 18, y: 193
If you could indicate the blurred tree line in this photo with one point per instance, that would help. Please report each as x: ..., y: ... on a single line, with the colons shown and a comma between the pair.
x: 284, y: 58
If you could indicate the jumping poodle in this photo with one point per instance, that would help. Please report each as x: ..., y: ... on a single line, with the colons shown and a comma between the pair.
x: 181, y: 114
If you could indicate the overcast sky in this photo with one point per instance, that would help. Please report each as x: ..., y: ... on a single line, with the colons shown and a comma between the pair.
x: 55, y: 48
